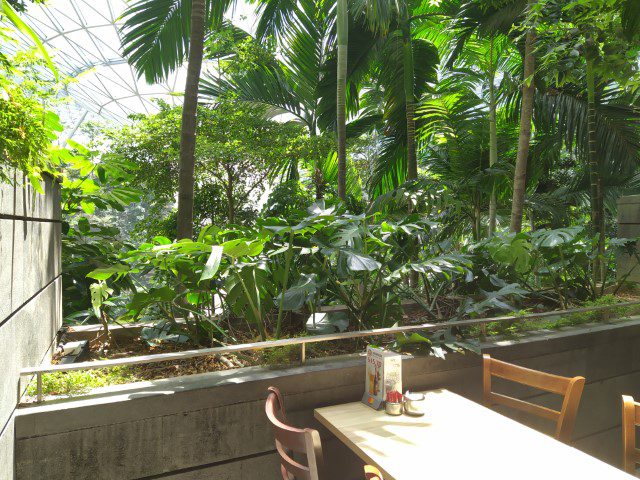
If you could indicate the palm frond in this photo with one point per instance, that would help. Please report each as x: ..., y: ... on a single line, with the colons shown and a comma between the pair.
x: 155, y: 34
x: 617, y: 126
x: 361, y: 51
x: 265, y: 85
x: 274, y: 17
x: 631, y: 18
x: 391, y: 167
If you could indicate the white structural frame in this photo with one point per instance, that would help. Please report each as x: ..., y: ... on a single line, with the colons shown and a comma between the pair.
x: 83, y: 38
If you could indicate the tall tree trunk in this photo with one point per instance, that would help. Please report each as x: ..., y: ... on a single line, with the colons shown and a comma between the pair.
x: 493, y: 138
x: 317, y: 177
x: 410, y: 101
x: 595, y: 168
x: 477, y: 220
x: 189, y: 111
x: 524, y: 140
x: 231, y: 209
x: 341, y: 100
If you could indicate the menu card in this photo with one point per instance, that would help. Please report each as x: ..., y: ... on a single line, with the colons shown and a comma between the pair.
x: 383, y: 374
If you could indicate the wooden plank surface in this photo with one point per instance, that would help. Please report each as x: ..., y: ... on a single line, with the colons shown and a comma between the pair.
x: 460, y: 439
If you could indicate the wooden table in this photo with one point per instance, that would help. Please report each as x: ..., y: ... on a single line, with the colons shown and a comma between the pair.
x: 457, y: 439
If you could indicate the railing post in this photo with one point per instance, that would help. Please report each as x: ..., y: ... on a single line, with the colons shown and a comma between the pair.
x: 303, y: 353
x: 39, y: 387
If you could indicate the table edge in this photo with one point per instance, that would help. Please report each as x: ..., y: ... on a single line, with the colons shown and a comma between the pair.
x: 350, y: 444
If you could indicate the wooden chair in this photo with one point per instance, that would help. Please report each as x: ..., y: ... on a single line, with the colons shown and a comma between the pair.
x: 630, y: 420
x: 569, y: 388
x: 293, y: 440
x: 372, y: 473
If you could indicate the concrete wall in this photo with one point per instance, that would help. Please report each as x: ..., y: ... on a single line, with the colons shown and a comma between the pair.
x: 213, y: 425
x: 30, y: 293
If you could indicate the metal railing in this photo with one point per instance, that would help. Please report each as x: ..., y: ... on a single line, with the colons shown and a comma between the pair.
x: 302, y: 341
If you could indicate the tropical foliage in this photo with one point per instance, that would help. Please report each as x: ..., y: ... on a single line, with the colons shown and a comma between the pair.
x: 464, y: 155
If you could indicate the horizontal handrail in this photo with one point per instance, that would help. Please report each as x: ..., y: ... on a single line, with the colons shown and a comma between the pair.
x: 302, y: 341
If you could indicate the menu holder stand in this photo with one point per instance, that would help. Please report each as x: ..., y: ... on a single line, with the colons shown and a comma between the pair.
x: 383, y: 374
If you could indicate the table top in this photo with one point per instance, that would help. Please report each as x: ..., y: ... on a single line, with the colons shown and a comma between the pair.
x: 460, y: 439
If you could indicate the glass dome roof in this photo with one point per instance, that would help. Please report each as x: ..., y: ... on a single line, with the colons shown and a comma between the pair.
x: 83, y: 39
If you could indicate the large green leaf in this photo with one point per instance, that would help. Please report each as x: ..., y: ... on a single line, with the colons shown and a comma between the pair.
x: 327, y: 322
x: 512, y: 250
x: 213, y: 263
x: 141, y: 300
x: 557, y: 237
x: 358, y: 262
x: 250, y: 292
x: 242, y: 247
x: 301, y: 292
x: 108, y: 272
x: 99, y: 293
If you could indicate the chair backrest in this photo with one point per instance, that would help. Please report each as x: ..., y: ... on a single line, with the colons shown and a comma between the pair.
x: 630, y: 420
x: 291, y: 440
x: 372, y: 473
x: 569, y: 388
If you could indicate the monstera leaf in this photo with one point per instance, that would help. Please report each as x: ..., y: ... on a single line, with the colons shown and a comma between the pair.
x: 557, y: 237
x: 512, y: 250
x: 327, y: 322
x: 358, y: 262
x: 301, y: 292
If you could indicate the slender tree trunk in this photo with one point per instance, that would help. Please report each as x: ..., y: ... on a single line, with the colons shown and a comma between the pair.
x: 231, y: 210
x: 341, y: 100
x: 189, y: 111
x: 524, y: 140
x: 595, y: 177
x: 318, y: 177
x: 410, y: 102
x: 493, y: 138
x: 592, y: 157
x: 477, y: 219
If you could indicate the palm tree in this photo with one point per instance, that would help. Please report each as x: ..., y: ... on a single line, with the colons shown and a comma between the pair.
x: 478, y: 35
x: 157, y: 37
x: 406, y: 66
x: 342, y: 22
x: 302, y: 80
x: 493, y: 17
x: 393, y: 20
x: 524, y: 140
x: 630, y: 13
x: 455, y: 127
x: 567, y: 118
x: 479, y: 61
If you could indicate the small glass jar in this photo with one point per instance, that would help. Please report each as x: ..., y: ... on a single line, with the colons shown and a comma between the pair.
x: 393, y: 408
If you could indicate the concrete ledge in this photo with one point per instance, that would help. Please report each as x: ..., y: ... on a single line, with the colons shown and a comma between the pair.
x: 213, y: 424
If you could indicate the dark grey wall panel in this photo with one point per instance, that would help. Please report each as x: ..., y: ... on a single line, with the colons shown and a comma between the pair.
x: 30, y: 293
